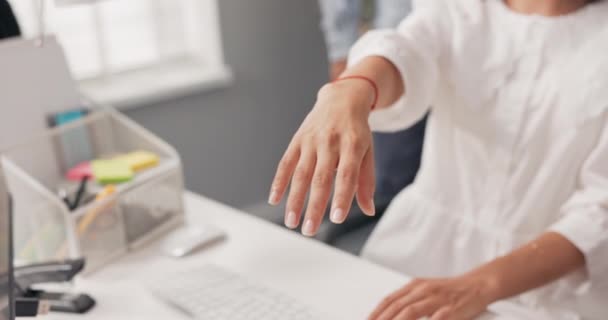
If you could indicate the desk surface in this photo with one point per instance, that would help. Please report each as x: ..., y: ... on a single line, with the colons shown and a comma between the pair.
x: 335, y: 283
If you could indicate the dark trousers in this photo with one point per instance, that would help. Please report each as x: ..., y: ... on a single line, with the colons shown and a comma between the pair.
x: 397, y: 156
x: 8, y: 24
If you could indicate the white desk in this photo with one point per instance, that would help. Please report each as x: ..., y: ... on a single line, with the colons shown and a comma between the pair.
x: 335, y: 283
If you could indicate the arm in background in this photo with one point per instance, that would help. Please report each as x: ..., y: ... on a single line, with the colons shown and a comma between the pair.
x: 340, y: 22
x: 389, y: 13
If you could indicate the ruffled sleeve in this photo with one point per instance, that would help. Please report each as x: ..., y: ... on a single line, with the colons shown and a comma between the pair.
x: 414, y: 48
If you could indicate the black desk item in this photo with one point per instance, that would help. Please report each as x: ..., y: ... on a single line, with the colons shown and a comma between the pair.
x: 7, y: 297
x: 27, y: 276
x: 8, y: 24
x: 65, y: 302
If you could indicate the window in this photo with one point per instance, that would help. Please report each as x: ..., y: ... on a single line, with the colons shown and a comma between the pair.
x: 132, y: 42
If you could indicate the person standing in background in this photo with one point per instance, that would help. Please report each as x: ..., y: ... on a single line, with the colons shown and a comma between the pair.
x: 397, y: 156
x: 343, y: 21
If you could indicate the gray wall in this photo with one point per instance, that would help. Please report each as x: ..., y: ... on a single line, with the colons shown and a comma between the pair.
x: 231, y: 139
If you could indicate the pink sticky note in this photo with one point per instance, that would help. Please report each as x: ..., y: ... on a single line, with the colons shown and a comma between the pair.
x: 80, y: 171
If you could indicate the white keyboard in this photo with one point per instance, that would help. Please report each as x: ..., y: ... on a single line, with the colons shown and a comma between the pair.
x: 210, y: 293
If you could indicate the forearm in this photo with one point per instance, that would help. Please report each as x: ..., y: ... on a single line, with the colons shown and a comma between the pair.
x: 540, y: 262
x: 384, y: 74
x: 537, y: 263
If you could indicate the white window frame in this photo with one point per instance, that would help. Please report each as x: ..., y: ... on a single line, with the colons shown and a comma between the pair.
x: 203, y: 68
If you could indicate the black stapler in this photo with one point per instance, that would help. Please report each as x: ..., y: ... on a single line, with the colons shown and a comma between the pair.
x: 55, y: 272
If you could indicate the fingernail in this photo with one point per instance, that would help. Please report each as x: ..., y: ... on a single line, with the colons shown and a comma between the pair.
x: 308, y: 228
x: 373, y: 208
x: 272, y: 199
x: 290, y: 220
x: 337, y: 216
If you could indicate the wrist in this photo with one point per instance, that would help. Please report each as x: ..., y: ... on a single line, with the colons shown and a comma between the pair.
x: 490, y: 287
x: 357, y: 93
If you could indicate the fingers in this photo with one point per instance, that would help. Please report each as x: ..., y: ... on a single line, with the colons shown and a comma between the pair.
x: 367, y: 184
x: 406, y: 301
x: 346, y: 185
x: 386, y: 302
x: 444, y: 313
x: 439, y: 299
x: 331, y: 148
x: 300, y: 183
x: 419, y: 310
x: 281, y: 179
x: 320, y: 190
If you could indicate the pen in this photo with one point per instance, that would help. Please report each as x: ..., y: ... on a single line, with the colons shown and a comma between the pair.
x: 63, y: 194
x: 90, y: 216
x: 81, y: 189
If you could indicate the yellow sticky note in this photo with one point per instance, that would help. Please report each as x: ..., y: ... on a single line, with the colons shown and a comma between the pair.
x: 139, y: 160
x: 111, y: 171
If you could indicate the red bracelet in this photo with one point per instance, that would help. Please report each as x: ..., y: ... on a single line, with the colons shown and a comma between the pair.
x: 370, y: 81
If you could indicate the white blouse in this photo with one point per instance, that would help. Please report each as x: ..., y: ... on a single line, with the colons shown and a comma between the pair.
x: 516, y: 144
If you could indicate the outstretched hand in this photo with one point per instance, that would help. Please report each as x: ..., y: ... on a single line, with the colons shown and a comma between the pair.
x: 333, y: 142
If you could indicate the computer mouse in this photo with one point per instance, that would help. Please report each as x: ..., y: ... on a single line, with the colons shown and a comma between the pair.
x: 187, y: 240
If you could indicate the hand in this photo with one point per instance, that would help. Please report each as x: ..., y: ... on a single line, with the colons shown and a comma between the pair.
x: 460, y: 298
x: 337, y: 68
x: 334, y: 140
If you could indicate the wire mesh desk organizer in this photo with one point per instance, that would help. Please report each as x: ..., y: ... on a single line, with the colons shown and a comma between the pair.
x: 110, y: 217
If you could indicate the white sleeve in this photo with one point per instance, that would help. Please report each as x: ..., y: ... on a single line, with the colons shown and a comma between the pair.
x: 585, y: 215
x: 414, y: 48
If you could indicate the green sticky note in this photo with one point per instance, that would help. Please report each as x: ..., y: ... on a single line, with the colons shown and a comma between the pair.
x: 111, y: 171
